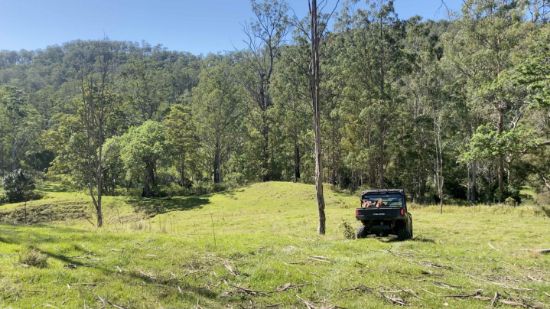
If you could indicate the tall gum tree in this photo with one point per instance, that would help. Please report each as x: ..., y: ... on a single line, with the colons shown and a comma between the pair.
x: 265, y: 36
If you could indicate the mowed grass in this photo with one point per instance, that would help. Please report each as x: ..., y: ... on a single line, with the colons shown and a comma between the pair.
x: 257, y: 247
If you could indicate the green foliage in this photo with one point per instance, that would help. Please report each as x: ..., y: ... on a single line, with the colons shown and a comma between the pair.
x: 182, y: 139
x: 141, y: 149
x: 487, y: 144
x: 18, y: 186
x: 445, y: 109
x: 347, y: 230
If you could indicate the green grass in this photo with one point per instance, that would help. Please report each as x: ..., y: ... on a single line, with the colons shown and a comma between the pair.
x: 257, y: 246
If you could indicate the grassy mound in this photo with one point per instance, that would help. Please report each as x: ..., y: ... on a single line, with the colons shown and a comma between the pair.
x: 257, y: 247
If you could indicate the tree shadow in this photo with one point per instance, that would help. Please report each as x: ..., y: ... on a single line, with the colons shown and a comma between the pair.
x: 17, y: 237
x: 156, y: 206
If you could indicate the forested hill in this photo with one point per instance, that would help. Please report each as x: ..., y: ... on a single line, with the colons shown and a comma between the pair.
x: 451, y: 109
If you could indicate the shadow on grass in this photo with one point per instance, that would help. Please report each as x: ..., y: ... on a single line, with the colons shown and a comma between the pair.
x: 157, y: 280
x: 54, y: 187
x: 393, y: 238
x: 15, y: 236
x: 155, y: 206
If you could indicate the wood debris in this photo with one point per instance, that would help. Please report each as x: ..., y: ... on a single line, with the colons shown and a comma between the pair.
x: 230, y: 268
x: 495, y: 299
x: 394, y: 299
x: 288, y: 286
x: 320, y: 258
x: 308, y: 304
x: 360, y: 288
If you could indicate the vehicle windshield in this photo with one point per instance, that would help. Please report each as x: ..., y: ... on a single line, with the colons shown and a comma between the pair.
x: 385, y: 200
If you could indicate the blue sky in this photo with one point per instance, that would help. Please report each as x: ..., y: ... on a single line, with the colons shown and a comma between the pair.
x: 197, y: 26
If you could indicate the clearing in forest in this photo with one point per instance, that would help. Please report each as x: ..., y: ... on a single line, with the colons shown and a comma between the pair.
x: 257, y: 246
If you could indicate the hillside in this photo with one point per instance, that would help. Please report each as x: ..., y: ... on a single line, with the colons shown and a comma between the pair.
x: 257, y: 247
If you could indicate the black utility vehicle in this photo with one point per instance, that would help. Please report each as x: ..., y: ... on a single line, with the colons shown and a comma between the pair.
x: 384, y: 212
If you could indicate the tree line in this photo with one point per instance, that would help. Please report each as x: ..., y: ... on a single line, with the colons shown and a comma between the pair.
x: 454, y: 109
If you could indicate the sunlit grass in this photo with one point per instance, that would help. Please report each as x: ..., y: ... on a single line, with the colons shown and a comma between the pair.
x: 257, y: 246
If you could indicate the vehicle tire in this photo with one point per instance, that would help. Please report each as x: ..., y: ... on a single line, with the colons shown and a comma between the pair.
x: 362, y: 232
x: 403, y: 233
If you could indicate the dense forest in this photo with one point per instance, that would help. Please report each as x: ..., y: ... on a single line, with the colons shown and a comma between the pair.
x: 455, y: 109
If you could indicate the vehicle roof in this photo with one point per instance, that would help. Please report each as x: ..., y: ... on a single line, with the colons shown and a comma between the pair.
x: 382, y: 191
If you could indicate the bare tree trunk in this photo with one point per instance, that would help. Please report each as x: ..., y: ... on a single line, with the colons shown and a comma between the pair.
x: 439, y: 162
x: 99, y: 209
x: 472, y: 182
x: 181, y: 171
x: 217, y: 162
x: 149, y: 180
x: 265, y: 145
x: 500, y: 171
x: 1, y: 160
x: 297, y: 159
x: 314, y: 89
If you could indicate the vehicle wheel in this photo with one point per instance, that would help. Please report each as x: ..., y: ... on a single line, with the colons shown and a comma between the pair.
x: 362, y: 232
x: 403, y: 233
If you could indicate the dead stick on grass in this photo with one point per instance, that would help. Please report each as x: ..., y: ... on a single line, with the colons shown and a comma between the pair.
x: 476, y: 293
x: 394, y: 299
x: 494, y: 301
x: 308, y: 304
x: 106, y: 301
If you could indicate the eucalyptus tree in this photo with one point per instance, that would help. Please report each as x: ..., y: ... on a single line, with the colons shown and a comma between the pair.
x: 480, y: 48
x: 291, y: 92
x: 313, y: 31
x: 19, y: 128
x: 79, y: 137
x: 180, y: 129
x: 265, y: 36
x: 218, y: 104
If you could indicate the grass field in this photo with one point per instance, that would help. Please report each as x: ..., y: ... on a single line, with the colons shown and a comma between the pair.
x: 257, y: 247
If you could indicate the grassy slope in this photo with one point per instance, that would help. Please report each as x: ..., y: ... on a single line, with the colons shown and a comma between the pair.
x: 266, y: 234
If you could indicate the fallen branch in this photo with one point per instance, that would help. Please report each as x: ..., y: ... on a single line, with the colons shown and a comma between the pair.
x: 249, y: 291
x: 394, y: 299
x: 359, y: 288
x: 288, y: 286
x: 308, y: 304
x: 104, y: 301
x: 320, y: 258
x: 445, y: 285
x: 435, y: 265
x: 499, y: 284
x: 495, y: 299
x: 476, y: 293
x: 232, y: 270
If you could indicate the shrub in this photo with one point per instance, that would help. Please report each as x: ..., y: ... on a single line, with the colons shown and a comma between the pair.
x: 18, y: 186
x: 33, y: 257
x: 510, y: 201
x: 348, y: 230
